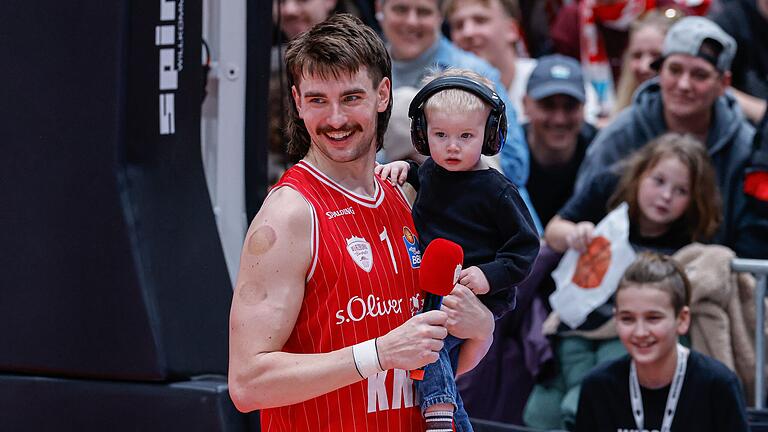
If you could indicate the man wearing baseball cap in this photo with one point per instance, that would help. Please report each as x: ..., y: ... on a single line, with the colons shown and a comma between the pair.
x: 557, y: 134
x: 689, y: 96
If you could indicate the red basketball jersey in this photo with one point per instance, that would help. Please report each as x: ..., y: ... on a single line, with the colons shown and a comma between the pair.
x: 362, y: 283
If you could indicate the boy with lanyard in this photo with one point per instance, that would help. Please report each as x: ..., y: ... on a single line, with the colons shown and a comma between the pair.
x: 661, y: 385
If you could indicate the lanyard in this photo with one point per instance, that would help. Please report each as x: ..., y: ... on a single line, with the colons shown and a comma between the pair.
x: 672, y: 397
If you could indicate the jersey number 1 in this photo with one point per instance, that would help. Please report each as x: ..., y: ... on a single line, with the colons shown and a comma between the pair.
x: 385, y: 238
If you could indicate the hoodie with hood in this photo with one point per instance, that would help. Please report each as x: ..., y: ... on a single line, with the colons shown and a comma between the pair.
x: 729, y: 144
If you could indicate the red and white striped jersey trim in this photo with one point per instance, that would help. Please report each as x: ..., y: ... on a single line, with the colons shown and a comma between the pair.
x: 372, y: 202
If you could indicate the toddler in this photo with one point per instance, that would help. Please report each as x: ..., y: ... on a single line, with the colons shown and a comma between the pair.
x: 455, y: 118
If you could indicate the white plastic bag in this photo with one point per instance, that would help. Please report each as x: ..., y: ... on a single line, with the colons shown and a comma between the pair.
x: 586, y: 281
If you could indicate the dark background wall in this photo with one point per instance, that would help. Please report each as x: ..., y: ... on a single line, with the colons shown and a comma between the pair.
x: 111, y: 266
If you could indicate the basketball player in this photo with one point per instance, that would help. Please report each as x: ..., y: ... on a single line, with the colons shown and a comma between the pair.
x: 322, y: 327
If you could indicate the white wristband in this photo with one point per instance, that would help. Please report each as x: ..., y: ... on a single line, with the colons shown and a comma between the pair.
x: 366, y: 358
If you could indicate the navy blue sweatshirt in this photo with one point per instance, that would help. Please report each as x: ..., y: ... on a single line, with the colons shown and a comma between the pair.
x: 483, y: 212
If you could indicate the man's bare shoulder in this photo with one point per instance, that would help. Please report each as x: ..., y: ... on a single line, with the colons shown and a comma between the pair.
x: 281, y: 228
x: 276, y: 249
x: 284, y: 206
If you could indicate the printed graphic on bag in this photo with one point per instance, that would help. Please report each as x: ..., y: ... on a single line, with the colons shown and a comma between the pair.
x: 593, y: 264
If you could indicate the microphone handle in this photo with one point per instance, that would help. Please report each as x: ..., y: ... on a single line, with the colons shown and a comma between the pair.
x: 431, y: 302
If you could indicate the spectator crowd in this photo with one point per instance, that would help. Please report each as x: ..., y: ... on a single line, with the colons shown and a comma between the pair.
x: 660, y: 104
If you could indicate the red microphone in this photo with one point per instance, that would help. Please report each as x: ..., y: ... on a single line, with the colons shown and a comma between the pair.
x: 439, y: 272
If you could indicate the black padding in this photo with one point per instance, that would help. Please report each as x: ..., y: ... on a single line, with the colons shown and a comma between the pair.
x: 111, y: 262
x: 259, y: 30
x: 58, y: 404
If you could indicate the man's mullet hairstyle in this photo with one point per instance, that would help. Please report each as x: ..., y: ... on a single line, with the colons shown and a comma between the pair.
x: 337, y: 47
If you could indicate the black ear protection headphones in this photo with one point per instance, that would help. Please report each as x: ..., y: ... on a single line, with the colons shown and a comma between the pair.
x: 495, y: 126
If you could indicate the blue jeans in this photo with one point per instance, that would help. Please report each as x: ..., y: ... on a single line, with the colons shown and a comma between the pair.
x: 439, y: 384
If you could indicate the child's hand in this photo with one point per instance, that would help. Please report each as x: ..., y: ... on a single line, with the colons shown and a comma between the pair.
x: 474, y: 279
x: 395, y: 172
x: 581, y: 236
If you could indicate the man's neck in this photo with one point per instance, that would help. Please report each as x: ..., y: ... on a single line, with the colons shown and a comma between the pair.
x: 506, y: 65
x: 697, y: 125
x: 398, y: 57
x: 547, y: 157
x: 659, y: 374
x: 356, y: 175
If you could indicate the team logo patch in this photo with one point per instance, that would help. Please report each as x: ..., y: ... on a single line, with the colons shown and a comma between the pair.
x: 360, y: 251
x: 412, y: 247
x: 416, y: 304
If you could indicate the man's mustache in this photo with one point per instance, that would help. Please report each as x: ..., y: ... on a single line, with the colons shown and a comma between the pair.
x: 348, y: 127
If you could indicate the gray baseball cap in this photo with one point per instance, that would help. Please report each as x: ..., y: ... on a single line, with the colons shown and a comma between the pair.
x: 688, y: 36
x: 556, y: 74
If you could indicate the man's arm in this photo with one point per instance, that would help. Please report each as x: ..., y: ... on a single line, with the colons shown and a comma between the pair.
x: 754, y: 108
x: 265, y: 305
x: 469, y: 319
x: 266, y: 302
